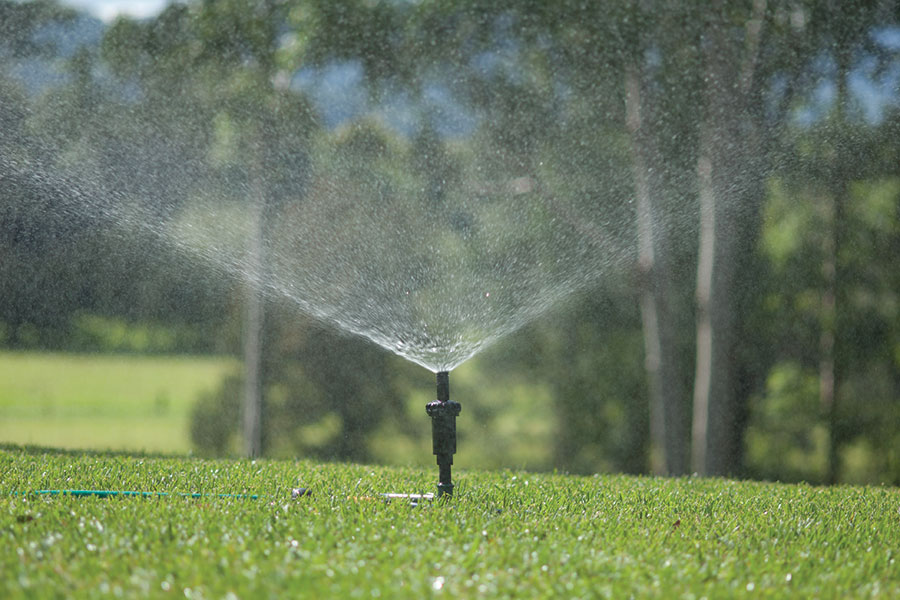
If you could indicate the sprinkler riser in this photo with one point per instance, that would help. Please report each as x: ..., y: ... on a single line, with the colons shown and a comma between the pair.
x: 443, y: 413
x: 443, y: 386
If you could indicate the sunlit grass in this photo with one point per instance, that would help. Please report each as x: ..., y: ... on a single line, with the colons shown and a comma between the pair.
x: 103, y: 401
x: 505, y: 534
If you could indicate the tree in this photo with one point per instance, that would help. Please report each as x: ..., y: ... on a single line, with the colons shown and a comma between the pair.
x: 654, y: 104
x: 834, y: 165
x: 572, y: 112
x: 730, y: 177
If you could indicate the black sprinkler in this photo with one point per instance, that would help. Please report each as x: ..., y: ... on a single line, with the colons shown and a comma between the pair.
x: 443, y: 413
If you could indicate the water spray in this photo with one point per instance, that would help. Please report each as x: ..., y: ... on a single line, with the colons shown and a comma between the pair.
x: 443, y: 413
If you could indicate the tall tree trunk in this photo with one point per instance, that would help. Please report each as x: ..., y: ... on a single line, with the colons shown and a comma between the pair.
x: 254, y: 320
x: 703, y: 378
x: 828, y: 335
x: 730, y: 184
x: 829, y: 368
x: 255, y: 316
x: 668, y: 419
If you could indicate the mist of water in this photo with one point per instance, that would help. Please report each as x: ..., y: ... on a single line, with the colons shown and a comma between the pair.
x: 434, y: 277
x: 433, y: 283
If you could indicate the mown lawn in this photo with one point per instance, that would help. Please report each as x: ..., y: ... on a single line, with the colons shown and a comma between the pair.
x: 505, y: 534
x: 122, y: 402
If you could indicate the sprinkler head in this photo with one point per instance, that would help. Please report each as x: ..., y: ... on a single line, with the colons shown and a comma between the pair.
x: 300, y: 492
x: 443, y: 413
x: 412, y: 499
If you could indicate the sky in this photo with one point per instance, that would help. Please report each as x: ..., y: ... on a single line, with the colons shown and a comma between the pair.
x: 107, y: 10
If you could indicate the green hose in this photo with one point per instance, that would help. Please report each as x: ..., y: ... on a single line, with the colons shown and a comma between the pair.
x: 295, y: 493
x: 114, y: 493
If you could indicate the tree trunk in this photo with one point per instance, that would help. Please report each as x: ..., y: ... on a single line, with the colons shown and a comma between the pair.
x: 836, y: 200
x: 668, y: 418
x: 254, y: 320
x: 730, y: 184
x: 255, y: 317
x: 704, y: 365
x: 828, y: 335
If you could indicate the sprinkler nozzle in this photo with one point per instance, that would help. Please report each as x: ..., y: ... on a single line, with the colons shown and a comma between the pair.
x: 443, y: 413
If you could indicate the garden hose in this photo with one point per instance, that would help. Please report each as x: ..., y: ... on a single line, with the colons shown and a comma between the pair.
x: 295, y: 493
x: 115, y: 493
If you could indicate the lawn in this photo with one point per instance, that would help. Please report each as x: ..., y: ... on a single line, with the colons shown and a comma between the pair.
x: 505, y: 534
x: 123, y: 402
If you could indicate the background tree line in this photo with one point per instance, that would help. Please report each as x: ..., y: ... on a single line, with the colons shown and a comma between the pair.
x: 750, y: 151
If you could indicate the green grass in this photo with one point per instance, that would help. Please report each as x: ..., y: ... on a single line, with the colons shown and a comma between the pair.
x: 505, y: 534
x: 103, y: 401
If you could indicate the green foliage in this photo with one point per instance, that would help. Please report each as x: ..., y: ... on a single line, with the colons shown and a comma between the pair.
x: 215, y: 419
x: 787, y: 437
x: 504, y: 534
x: 115, y: 335
x: 832, y: 219
x: 592, y: 353
x: 324, y: 396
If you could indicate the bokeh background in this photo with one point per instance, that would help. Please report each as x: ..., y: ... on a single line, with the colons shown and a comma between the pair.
x: 750, y: 152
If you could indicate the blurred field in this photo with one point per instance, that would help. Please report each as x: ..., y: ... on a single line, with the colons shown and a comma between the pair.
x: 143, y: 402
x: 120, y: 402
